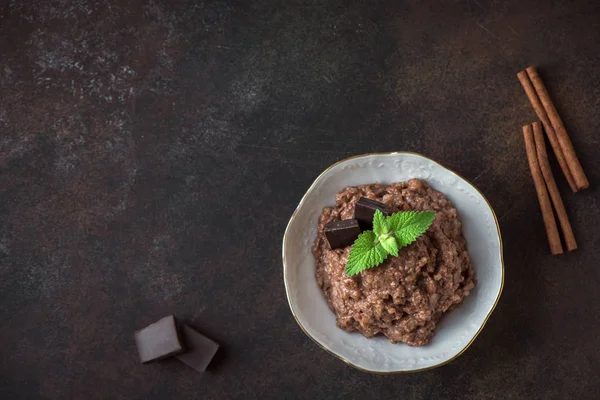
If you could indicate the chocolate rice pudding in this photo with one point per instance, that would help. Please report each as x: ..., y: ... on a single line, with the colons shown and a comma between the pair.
x: 405, y: 297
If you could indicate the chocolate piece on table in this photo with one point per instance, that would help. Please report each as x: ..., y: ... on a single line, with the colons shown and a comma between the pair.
x: 159, y: 340
x: 200, y: 349
x: 343, y: 233
x: 364, y: 210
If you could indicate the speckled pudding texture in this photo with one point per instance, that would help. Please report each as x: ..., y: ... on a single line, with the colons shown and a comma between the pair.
x: 406, y: 296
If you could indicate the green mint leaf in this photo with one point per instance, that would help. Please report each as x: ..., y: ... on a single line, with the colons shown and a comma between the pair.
x: 408, y: 226
x: 389, y: 235
x: 365, y: 253
x: 380, y: 226
x: 389, y: 243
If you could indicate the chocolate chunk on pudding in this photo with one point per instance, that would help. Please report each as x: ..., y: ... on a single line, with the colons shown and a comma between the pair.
x: 364, y: 210
x: 342, y: 233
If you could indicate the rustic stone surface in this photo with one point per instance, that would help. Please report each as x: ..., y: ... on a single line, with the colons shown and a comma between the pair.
x: 139, y: 139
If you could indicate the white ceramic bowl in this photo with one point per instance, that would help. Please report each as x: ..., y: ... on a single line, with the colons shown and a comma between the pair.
x: 457, y: 329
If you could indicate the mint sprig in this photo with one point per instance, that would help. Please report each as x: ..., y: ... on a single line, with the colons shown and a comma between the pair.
x: 388, y: 236
x: 366, y: 252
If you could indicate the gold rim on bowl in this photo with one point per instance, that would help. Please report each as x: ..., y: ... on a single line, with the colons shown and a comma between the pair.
x: 287, y: 291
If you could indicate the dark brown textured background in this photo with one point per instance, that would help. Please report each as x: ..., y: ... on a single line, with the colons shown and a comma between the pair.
x: 152, y: 152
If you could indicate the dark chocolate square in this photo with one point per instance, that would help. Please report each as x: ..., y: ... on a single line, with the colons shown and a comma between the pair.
x: 343, y: 233
x: 200, y: 349
x: 364, y: 210
x: 159, y: 340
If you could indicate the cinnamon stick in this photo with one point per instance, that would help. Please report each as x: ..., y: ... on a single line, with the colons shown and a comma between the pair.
x: 564, y: 141
x: 559, y: 207
x: 541, y: 113
x: 540, y: 188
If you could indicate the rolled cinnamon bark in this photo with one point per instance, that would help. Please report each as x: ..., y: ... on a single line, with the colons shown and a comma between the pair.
x: 559, y: 207
x: 540, y: 188
x: 564, y: 141
x: 541, y: 113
